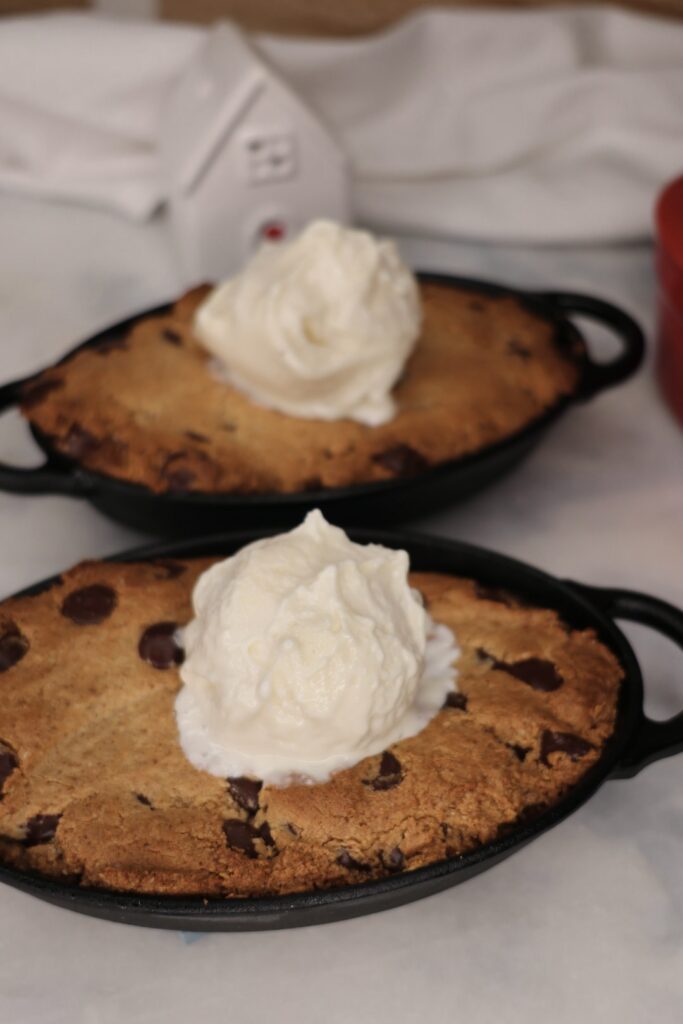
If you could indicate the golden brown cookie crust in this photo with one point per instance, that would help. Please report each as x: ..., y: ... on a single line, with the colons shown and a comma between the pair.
x: 95, y: 788
x: 146, y: 407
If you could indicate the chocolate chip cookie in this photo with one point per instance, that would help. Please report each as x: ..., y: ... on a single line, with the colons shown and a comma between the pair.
x: 95, y: 789
x: 146, y: 406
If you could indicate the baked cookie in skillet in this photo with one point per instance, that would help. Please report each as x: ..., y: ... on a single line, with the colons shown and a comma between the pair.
x: 95, y: 788
x: 145, y: 406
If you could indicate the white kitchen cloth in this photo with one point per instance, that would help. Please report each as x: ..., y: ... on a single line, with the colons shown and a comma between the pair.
x: 536, y: 126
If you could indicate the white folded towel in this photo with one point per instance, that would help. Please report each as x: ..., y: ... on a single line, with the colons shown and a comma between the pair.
x: 539, y: 126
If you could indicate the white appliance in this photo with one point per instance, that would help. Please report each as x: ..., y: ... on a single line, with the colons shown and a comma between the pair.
x: 244, y: 159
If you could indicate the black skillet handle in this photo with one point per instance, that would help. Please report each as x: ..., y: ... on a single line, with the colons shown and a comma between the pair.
x: 598, y: 376
x: 653, y: 740
x: 45, y: 479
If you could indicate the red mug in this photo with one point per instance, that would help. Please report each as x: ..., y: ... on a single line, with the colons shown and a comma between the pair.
x: 669, y: 263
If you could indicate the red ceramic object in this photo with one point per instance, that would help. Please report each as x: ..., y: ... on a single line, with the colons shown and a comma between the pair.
x: 669, y: 224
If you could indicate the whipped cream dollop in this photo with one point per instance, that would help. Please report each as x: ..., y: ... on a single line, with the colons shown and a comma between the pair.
x: 320, y: 327
x: 307, y: 653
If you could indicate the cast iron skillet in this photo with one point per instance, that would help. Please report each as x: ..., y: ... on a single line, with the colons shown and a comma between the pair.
x: 636, y: 742
x: 379, y: 502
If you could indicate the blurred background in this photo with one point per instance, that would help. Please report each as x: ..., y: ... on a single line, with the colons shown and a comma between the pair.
x: 299, y: 17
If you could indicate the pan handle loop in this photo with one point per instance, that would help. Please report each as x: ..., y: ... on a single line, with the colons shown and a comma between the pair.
x: 46, y: 479
x: 652, y: 740
x: 598, y: 376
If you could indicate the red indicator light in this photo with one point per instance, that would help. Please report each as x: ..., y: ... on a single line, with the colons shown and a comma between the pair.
x: 273, y: 231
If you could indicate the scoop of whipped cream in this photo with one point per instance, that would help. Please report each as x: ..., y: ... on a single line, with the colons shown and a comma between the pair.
x: 307, y: 653
x: 319, y: 327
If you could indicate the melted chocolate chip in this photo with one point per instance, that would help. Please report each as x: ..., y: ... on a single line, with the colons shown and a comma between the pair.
x: 194, y: 436
x: 13, y: 646
x: 158, y: 646
x: 89, y: 605
x: 180, y: 480
x: 519, y: 751
x: 563, y: 743
x: 538, y: 673
x: 8, y: 762
x: 516, y: 348
x: 141, y: 798
x: 265, y: 834
x: 170, y: 570
x: 394, y: 860
x: 32, y: 394
x: 531, y: 812
x: 240, y: 836
x: 456, y: 700
x: 345, y: 860
x: 402, y: 460
x: 114, y: 340
x: 389, y: 774
x: 80, y: 442
x: 177, y: 476
x: 245, y: 792
x: 41, y: 829
x: 171, y: 336
x: 526, y: 816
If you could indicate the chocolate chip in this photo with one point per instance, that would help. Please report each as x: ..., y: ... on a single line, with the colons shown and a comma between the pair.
x: 33, y: 393
x: 563, y: 743
x: 113, y: 340
x: 13, y: 645
x: 245, y: 792
x: 394, y: 860
x: 8, y: 762
x: 158, y: 646
x: 89, y: 605
x: 526, y: 816
x: 79, y: 442
x: 345, y: 860
x: 170, y: 570
x: 240, y: 836
x: 402, y: 460
x: 538, y: 673
x: 476, y: 306
x: 530, y: 813
x: 389, y: 774
x: 266, y: 835
x: 494, y: 594
x: 516, y: 348
x: 180, y: 480
x: 144, y: 800
x: 177, y: 476
x: 194, y: 436
x: 519, y: 751
x: 171, y: 336
x: 40, y: 829
x: 456, y: 700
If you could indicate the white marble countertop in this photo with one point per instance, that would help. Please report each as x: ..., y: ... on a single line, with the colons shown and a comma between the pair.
x: 586, y: 924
